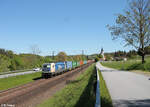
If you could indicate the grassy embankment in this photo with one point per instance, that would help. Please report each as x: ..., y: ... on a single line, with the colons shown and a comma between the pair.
x: 6, y: 83
x: 129, y: 65
x: 105, y: 96
x: 78, y: 93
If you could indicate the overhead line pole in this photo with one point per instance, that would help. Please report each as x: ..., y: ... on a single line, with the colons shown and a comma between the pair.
x: 53, y: 54
x: 82, y: 54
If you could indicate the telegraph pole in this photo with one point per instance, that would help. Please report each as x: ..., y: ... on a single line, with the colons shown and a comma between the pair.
x: 53, y: 55
x: 82, y: 54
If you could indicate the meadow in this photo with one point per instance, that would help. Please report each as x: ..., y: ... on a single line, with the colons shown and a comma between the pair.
x: 131, y: 64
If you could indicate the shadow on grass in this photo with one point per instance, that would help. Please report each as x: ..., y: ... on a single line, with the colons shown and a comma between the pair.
x: 72, y: 81
x: 136, y: 67
x: 37, y: 78
x: 88, y: 98
x: 105, y: 96
x: 105, y: 102
x: 132, y: 103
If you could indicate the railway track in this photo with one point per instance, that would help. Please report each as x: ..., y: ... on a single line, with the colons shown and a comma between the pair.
x: 20, y: 96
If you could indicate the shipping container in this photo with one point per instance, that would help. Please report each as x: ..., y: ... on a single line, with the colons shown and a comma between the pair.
x: 68, y: 65
x: 59, y: 67
x: 74, y: 64
x: 81, y: 63
x: 85, y: 62
x: 78, y: 63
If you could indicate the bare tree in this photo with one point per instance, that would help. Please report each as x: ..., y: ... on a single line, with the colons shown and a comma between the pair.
x: 134, y: 26
x: 35, y: 49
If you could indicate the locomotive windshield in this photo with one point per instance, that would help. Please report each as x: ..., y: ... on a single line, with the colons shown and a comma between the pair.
x: 46, y: 66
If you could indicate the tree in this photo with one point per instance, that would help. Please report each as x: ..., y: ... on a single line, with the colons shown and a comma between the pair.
x: 96, y: 59
x: 4, y: 63
x: 77, y: 57
x: 134, y: 26
x: 147, y: 49
x: 62, y: 56
x: 108, y: 58
x: 100, y: 56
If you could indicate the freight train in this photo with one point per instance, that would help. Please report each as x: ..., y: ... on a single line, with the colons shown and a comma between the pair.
x: 50, y: 69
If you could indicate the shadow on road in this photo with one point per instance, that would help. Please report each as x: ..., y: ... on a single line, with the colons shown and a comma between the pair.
x: 132, y: 103
x: 110, y: 71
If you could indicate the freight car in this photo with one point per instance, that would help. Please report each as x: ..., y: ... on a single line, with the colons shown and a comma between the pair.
x: 81, y: 63
x: 68, y: 65
x: 74, y: 64
x: 85, y: 62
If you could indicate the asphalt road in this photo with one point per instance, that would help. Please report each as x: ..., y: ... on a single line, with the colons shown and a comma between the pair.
x: 15, y: 74
x: 127, y: 89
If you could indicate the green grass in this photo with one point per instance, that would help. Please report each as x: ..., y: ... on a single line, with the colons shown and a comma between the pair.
x: 119, y: 64
x: 129, y: 65
x: 78, y: 93
x: 106, y: 100
x: 6, y: 83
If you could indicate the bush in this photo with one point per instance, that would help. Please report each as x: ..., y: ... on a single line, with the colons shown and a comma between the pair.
x: 96, y: 59
x: 147, y: 66
x: 4, y: 63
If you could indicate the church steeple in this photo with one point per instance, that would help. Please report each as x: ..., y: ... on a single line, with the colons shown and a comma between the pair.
x: 102, y: 53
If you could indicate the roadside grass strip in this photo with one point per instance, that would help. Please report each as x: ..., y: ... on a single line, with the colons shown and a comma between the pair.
x: 106, y: 100
x: 120, y: 65
x: 11, y: 82
x: 128, y: 65
x: 77, y: 93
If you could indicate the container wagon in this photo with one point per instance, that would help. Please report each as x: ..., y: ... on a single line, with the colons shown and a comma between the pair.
x: 60, y: 67
x: 85, y: 62
x: 78, y: 63
x: 81, y: 63
x: 69, y: 65
x: 74, y: 64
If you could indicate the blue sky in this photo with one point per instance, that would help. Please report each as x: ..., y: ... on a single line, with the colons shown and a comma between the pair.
x: 59, y: 25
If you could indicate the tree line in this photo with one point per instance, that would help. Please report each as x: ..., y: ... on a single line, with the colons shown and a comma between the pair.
x: 122, y: 54
x: 10, y: 61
